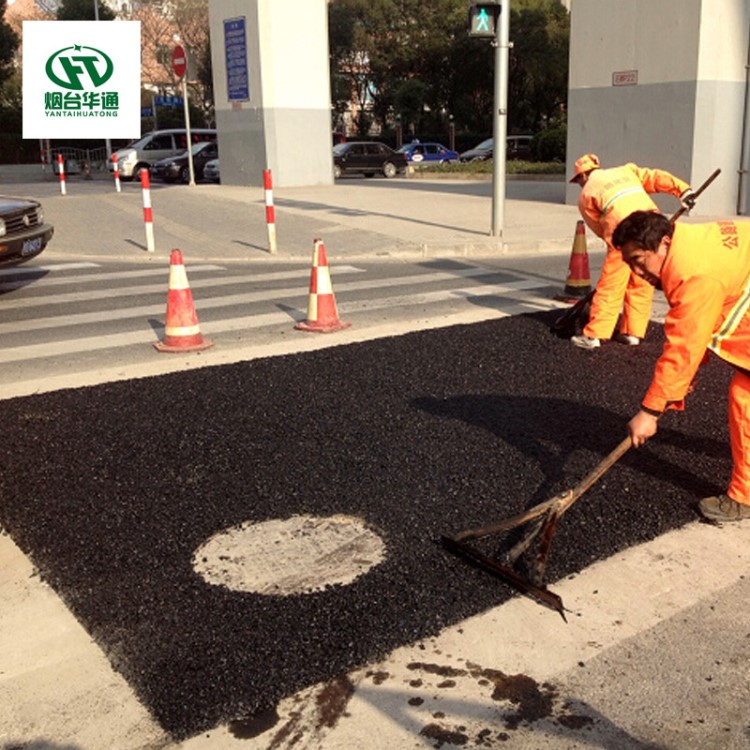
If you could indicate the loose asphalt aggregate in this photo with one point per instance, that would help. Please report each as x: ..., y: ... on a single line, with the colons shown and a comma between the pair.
x: 420, y: 435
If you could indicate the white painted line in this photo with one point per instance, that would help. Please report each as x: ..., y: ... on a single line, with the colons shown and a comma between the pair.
x: 132, y: 338
x: 131, y: 291
x: 31, y: 270
x: 45, y: 281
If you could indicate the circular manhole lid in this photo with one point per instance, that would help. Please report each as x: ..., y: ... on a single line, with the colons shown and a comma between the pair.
x: 298, y: 555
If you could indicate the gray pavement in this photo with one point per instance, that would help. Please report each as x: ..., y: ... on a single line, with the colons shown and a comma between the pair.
x: 656, y: 647
x: 356, y: 217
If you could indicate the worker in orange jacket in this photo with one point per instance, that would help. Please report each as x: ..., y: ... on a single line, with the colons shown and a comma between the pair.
x: 607, y: 197
x: 704, y: 272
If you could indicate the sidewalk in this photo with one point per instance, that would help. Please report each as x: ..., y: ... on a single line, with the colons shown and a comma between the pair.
x: 355, y: 217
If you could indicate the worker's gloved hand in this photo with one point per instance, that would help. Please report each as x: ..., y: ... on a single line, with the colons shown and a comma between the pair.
x: 687, y: 200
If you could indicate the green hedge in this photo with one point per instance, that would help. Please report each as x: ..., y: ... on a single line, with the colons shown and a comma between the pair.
x: 485, y: 168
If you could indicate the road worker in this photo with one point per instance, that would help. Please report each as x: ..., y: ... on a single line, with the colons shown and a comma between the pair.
x: 704, y: 272
x: 607, y: 197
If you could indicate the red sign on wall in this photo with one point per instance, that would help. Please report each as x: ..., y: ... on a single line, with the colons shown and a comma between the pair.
x: 625, y: 78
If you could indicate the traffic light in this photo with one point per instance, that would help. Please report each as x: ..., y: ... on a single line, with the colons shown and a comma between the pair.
x: 483, y: 19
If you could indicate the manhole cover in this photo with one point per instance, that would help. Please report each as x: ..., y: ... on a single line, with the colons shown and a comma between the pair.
x: 298, y: 555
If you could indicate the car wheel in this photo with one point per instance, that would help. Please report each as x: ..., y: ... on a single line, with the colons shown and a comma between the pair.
x: 389, y: 169
x: 184, y: 174
x: 336, y: 171
x: 138, y: 168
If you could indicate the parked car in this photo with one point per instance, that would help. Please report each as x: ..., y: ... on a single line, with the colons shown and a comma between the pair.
x: 159, y: 144
x: 211, y: 171
x: 478, y: 153
x: 427, y: 153
x: 368, y: 158
x: 177, y: 168
x: 516, y: 147
x: 23, y: 233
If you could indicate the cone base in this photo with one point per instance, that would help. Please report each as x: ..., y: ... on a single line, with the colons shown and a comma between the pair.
x: 175, y: 347
x: 573, y: 294
x: 313, y: 327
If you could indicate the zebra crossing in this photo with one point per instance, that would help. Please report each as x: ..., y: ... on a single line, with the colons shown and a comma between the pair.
x: 79, y: 317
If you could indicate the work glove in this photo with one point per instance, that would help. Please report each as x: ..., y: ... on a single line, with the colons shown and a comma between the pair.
x: 687, y: 200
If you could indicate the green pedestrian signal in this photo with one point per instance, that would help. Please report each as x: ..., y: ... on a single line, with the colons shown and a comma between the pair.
x: 483, y: 19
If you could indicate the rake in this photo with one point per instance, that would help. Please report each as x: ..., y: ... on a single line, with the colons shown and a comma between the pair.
x: 542, y: 523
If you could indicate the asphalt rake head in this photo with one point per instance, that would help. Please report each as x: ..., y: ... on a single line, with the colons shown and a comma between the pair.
x: 540, y: 523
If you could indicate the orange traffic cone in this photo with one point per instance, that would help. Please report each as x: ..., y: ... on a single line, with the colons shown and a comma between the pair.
x: 322, y: 315
x: 578, y: 283
x: 181, y: 330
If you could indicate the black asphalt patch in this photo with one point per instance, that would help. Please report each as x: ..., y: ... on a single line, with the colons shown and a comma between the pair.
x: 111, y: 489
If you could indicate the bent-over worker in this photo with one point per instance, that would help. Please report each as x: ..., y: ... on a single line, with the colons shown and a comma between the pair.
x: 704, y: 272
x: 607, y: 197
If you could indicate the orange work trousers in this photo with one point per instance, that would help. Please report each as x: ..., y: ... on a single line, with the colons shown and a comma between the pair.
x: 619, y: 289
x: 739, y: 434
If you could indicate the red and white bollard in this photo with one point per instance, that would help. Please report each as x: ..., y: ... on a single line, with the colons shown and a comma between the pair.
x: 117, y: 172
x: 270, y: 212
x: 61, y: 169
x: 147, y: 214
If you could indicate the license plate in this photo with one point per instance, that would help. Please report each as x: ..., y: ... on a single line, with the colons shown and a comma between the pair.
x: 31, y: 246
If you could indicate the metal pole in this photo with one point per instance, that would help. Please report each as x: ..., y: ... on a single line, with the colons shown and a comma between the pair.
x: 187, y: 128
x: 500, y: 119
x: 743, y: 171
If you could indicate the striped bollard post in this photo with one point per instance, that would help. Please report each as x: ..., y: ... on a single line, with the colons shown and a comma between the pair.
x: 117, y: 172
x: 61, y: 170
x: 270, y: 212
x: 148, y: 216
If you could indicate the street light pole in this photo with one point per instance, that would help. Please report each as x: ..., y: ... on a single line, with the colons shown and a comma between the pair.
x: 500, y: 119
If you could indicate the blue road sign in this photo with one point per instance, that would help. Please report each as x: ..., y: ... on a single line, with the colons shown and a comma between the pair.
x: 235, y: 51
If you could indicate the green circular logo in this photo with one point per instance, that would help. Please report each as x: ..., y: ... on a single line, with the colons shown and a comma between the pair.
x: 71, y: 67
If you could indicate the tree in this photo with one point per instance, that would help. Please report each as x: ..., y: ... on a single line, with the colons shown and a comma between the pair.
x: 381, y: 45
x: 83, y: 10
x: 9, y: 42
x: 538, y: 65
x: 414, y: 58
x: 161, y: 25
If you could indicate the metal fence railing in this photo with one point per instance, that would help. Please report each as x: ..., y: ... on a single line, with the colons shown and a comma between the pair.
x: 77, y: 160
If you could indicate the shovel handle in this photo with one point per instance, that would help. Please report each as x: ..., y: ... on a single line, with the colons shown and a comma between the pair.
x: 696, y: 193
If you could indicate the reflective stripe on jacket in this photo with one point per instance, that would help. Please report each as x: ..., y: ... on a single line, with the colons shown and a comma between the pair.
x: 706, y: 280
x: 610, y: 195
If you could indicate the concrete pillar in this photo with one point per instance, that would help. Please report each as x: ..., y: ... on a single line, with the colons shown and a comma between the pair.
x: 272, y: 91
x: 663, y: 85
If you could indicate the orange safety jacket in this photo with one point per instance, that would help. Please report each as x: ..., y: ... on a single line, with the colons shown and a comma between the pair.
x: 706, y: 280
x: 612, y: 194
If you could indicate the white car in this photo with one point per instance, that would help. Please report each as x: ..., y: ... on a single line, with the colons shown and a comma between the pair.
x: 211, y: 171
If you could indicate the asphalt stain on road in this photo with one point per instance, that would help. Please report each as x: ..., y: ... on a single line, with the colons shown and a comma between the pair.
x: 110, y: 490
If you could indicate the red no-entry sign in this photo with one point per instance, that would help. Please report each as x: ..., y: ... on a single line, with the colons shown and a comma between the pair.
x: 179, y: 61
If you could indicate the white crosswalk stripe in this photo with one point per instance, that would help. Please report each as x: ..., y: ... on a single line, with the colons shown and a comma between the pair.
x: 40, y: 322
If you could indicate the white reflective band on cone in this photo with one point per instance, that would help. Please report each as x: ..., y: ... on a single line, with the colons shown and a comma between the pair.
x: 182, y: 330
x: 177, y: 277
